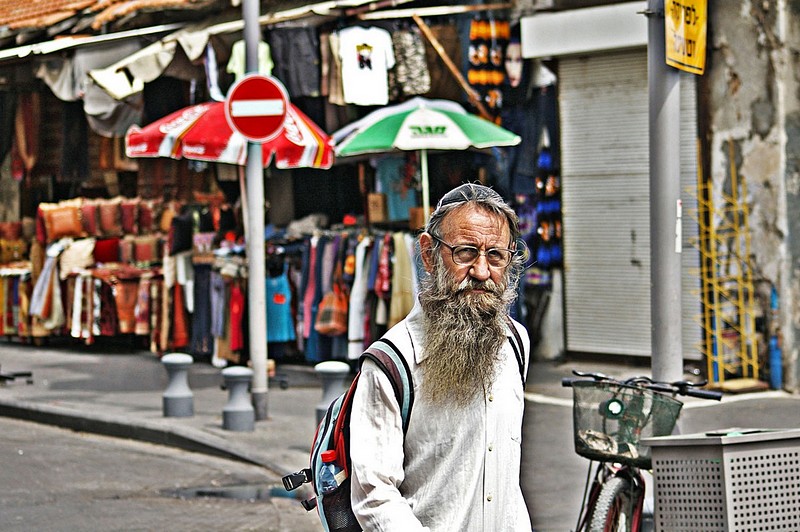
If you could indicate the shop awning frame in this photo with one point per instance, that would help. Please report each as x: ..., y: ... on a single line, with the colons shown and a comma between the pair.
x: 66, y: 43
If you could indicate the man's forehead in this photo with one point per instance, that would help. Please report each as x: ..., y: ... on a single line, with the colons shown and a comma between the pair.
x: 469, y: 214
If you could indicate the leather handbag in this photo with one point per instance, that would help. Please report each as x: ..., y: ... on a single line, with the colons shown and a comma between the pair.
x: 332, y: 313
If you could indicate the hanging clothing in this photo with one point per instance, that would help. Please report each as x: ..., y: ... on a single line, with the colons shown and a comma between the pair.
x: 143, y: 307
x: 295, y: 52
x: 106, y: 116
x: 237, y: 303
x: 309, y: 285
x: 392, y: 180
x: 367, y: 56
x: 487, y: 40
x: 218, y: 304
x: 410, y: 75
x: 280, y: 326
x: 402, y: 298
x: 202, y: 340
x: 75, y: 151
x: 358, y: 299
x: 237, y: 62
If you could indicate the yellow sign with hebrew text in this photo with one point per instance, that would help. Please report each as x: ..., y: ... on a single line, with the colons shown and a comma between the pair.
x: 685, y: 30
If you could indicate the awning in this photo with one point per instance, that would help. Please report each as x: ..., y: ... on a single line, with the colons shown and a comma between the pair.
x: 65, y: 43
x: 128, y: 76
x: 586, y: 30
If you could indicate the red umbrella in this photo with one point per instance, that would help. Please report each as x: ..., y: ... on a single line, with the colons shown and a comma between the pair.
x: 201, y: 132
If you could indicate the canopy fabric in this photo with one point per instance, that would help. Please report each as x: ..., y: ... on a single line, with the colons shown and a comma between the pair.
x: 201, y: 132
x: 420, y: 125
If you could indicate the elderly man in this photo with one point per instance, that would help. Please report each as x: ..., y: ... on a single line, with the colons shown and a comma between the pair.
x: 457, y: 468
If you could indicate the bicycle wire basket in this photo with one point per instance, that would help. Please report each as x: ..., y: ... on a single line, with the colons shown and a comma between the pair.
x: 610, y: 419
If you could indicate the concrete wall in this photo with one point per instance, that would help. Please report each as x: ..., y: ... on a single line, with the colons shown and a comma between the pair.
x: 751, y: 101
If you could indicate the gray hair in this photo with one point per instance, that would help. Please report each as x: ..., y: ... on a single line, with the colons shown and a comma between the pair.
x: 486, y: 199
x: 483, y: 196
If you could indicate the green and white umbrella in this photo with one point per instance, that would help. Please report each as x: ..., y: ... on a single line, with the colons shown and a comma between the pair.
x: 420, y: 125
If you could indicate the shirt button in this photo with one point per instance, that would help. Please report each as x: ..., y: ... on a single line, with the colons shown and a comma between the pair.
x: 489, y: 498
x: 491, y: 447
x: 491, y: 397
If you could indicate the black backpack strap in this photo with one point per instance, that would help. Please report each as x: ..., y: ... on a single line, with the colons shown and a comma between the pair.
x: 386, y: 355
x: 517, y: 346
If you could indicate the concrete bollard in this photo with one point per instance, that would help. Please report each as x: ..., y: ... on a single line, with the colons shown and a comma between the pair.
x: 178, y: 399
x: 334, y: 382
x: 238, y: 414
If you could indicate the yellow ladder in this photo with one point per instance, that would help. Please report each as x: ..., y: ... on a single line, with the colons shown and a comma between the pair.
x: 727, y: 295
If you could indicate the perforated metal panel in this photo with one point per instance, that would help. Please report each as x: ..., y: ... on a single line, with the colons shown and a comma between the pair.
x: 744, y: 483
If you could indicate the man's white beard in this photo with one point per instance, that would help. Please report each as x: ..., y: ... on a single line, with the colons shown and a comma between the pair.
x: 464, y: 333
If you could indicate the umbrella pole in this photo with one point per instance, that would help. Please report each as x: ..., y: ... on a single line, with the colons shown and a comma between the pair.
x: 426, y: 195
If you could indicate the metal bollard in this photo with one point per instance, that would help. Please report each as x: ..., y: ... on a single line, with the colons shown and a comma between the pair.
x: 334, y: 375
x: 238, y: 414
x: 178, y: 399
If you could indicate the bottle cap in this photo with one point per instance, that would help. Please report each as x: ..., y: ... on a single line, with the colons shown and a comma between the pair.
x: 328, y: 456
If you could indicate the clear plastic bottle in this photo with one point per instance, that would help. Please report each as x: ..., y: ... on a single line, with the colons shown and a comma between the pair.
x: 328, y: 477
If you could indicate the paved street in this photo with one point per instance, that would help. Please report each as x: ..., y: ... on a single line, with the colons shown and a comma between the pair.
x: 59, y: 480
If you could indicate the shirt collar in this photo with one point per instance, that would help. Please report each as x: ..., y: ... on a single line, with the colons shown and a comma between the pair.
x: 415, y: 324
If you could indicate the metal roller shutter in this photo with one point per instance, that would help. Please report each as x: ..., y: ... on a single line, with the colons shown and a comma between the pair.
x: 603, y: 102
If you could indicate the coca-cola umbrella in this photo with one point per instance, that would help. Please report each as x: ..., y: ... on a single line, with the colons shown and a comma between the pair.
x: 201, y: 132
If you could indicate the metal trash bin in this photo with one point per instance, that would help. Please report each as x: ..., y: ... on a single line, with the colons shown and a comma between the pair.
x: 731, y: 479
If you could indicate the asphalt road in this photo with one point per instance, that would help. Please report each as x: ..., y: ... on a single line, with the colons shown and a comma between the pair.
x: 58, y: 480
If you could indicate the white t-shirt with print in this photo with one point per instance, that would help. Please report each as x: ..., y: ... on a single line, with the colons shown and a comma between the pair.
x: 367, y: 56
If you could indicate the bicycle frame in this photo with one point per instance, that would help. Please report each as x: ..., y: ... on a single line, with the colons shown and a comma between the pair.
x: 610, y: 418
x: 603, y: 472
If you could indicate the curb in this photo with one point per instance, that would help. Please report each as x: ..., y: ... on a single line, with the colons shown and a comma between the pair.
x: 179, y: 437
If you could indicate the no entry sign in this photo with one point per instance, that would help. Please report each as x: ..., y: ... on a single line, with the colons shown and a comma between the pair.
x: 256, y: 107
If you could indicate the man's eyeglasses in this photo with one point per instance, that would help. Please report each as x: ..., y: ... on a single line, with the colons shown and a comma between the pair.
x: 467, y: 255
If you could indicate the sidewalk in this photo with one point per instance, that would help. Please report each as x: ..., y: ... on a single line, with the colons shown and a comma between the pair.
x: 119, y: 393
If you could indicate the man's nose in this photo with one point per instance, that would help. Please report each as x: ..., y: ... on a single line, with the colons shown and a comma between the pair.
x: 480, y: 269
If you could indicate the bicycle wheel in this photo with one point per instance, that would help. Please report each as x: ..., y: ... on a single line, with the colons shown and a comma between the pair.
x: 615, y: 507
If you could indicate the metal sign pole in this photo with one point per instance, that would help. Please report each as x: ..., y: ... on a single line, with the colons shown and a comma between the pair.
x: 256, y: 259
x: 665, y: 238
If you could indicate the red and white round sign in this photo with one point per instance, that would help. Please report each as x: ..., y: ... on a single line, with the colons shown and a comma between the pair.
x: 256, y: 107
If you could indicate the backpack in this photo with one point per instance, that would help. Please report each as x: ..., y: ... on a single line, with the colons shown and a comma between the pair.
x: 333, y: 432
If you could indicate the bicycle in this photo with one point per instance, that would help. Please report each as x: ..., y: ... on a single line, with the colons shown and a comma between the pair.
x: 610, y: 417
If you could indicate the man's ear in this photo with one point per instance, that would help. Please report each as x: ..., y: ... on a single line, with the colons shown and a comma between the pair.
x: 426, y: 251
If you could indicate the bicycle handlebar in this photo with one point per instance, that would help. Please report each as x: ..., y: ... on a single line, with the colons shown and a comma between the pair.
x: 683, y: 387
